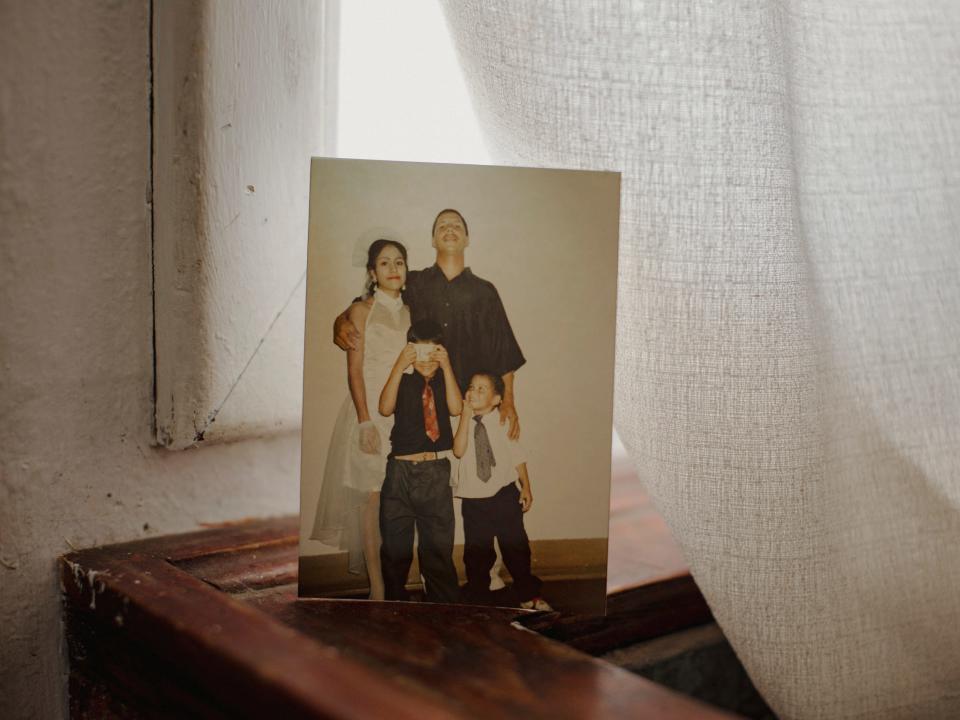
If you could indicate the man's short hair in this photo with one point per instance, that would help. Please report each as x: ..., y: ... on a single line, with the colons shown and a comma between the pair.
x: 425, y: 331
x: 433, y: 230
x: 495, y: 380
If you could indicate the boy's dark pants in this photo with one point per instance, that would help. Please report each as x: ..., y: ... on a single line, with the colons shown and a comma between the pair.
x: 499, y: 516
x: 418, y: 494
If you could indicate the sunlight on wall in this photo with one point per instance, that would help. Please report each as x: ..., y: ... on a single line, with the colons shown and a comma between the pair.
x: 401, y: 92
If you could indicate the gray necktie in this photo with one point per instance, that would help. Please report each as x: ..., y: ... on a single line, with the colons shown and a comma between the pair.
x: 485, y: 460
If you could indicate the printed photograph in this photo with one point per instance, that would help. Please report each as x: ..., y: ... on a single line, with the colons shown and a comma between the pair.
x: 458, y: 384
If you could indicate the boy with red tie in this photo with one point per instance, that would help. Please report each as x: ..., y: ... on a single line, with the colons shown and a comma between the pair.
x: 416, y: 491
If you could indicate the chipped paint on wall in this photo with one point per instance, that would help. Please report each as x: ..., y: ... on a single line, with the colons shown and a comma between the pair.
x: 78, y: 461
x: 242, y: 102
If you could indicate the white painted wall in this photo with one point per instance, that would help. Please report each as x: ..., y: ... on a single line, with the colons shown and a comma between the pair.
x: 401, y: 94
x: 77, y: 465
x: 242, y: 100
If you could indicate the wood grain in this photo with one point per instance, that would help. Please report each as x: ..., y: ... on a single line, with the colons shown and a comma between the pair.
x: 208, y: 624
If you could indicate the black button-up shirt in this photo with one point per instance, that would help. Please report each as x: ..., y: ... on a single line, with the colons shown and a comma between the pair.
x: 476, y: 331
x: 409, y: 434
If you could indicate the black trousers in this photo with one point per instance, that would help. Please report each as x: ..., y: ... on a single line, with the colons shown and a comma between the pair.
x: 499, y: 517
x: 418, y: 495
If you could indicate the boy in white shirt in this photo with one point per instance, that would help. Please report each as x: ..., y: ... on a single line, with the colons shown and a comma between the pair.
x: 491, y: 466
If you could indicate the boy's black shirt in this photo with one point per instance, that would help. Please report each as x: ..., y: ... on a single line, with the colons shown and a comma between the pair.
x: 409, y: 434
x: 476, y: 331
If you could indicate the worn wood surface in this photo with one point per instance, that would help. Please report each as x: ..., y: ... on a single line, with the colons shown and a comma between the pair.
x: 207, y: 624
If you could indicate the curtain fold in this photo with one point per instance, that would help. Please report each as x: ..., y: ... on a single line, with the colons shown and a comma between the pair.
x: 788, y: 361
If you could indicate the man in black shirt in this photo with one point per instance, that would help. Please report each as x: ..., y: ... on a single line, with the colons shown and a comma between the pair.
x: 416, y: 491
x: 477, y: 332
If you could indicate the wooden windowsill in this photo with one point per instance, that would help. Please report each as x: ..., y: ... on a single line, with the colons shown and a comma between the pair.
x: 208, y: 624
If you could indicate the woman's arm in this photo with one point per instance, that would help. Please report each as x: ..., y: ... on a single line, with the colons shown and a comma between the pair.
x: 357, y: 314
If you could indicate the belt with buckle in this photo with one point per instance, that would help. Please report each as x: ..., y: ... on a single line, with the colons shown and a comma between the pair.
x: 417, y: 457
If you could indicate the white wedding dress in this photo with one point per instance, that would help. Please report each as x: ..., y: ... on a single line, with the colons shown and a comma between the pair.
x: 349, y: 475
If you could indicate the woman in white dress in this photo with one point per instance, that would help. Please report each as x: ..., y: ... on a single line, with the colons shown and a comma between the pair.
x: 348, y: 514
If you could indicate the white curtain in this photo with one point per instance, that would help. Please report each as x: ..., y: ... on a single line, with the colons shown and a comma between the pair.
x: 788, y: 359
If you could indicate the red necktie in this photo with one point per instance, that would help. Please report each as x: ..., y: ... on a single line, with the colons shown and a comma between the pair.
x: 430, y: 413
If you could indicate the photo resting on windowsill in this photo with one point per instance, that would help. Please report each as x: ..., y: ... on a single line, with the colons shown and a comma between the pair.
x: 458, y: 384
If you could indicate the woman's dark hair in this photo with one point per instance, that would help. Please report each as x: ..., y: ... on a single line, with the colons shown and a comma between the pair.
x: 376, y: 247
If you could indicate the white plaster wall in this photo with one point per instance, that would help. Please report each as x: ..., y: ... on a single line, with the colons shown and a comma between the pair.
x: 77, y: 465
x: 240, y: 91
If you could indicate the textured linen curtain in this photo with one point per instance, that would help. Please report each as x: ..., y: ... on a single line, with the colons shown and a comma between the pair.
x: 787, y: 365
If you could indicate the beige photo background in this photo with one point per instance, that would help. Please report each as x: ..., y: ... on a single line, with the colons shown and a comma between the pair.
x: 547, y: 239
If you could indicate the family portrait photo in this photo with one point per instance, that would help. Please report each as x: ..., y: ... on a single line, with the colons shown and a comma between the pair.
x: 458, y: 384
